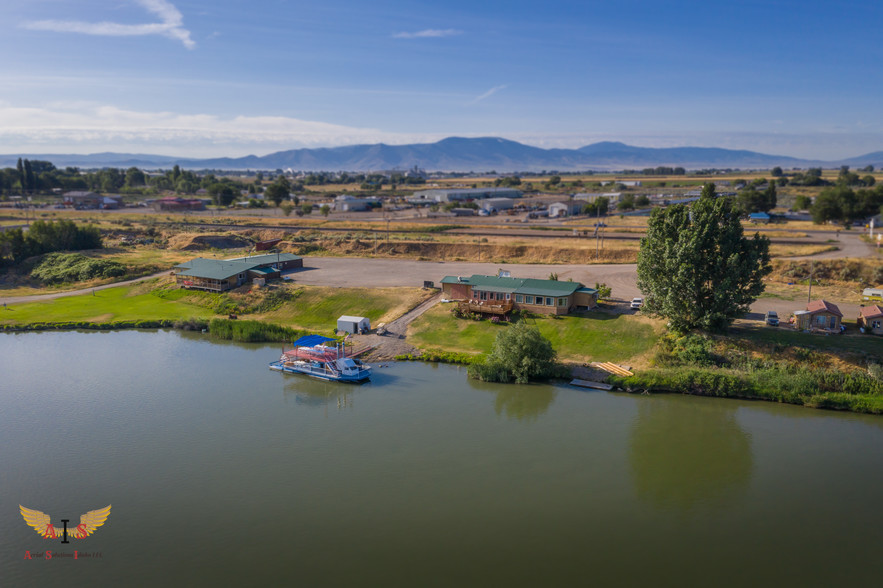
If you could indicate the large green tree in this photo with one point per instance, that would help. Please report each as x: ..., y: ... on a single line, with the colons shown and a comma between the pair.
x: 697, y: 268
x: 520, y: 354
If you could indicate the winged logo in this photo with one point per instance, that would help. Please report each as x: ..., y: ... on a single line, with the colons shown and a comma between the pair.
x: 43, y: 525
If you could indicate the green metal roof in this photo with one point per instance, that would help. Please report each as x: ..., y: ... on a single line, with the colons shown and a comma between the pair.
x: 267, y: 258
x: 530, y: 286
x: 263, y: 270
x: 214, y: 269
x: 548, y: 287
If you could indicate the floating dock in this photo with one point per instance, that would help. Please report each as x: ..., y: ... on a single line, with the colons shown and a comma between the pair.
x: 590, y: 384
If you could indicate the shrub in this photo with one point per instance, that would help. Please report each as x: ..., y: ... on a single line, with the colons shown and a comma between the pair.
x: 520, y: 354
x: 60, y: 268
x: 251, y: 331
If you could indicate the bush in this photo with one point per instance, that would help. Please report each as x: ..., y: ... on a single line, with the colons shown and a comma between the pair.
x: 60, y: 268
x: 520, y: 354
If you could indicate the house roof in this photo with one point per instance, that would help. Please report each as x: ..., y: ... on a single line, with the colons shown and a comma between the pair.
x: 823, y: 306
x: 530, y: 286
x: 213, y: 269
x: 352, y: 319
x: 266, y: 258
x: 869, y: 312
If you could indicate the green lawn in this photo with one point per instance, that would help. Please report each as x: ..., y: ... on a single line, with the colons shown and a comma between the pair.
x: 593, y: 336
x: 853, y: 342
x: 318, y: 308
x: 112, y: 304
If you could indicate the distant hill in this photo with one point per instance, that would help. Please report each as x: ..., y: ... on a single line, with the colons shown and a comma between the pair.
x: 462, y: 155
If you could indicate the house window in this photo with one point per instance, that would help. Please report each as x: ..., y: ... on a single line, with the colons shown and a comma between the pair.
x: 482, y: 295
x: 519, y: 298
x: 550, y: 302
x: 875, y: 324
x: 508, y: 296
x: 562, y: 302
x: 820, y: 320
x: 528, y: 299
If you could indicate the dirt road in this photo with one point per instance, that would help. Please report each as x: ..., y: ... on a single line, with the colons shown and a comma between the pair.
x: 54, y: 295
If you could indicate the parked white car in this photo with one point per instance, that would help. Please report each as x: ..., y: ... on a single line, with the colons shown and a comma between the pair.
x: 637, y: 303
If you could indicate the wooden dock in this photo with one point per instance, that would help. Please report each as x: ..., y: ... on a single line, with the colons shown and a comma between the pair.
x: 612, y: 368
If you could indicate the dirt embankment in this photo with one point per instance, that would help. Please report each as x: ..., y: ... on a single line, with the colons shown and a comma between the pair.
x: 197, y: 242
x: 866, y: 272
x: 488, y: 252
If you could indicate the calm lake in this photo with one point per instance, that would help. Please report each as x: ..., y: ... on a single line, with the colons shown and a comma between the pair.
x: 222, y: 472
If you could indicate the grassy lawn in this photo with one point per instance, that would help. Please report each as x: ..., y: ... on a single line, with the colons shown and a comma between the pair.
x: 318, y: 308
x: 593, y: 336
x: 112, y: 304
x: 850, y: 343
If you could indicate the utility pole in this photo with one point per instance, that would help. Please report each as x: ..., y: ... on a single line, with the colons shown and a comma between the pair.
x: 811, y: 270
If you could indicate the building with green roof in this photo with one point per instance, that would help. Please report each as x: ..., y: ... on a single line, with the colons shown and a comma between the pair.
x: 541, y: 296
x: 220, y: 275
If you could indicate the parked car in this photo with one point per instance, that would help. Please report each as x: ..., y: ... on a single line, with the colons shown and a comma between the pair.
x: 637, y: 303
x: 602, y: 225
x: 772, y: 319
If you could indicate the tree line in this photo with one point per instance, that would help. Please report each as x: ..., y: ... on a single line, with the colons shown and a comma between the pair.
x: 42, y: 237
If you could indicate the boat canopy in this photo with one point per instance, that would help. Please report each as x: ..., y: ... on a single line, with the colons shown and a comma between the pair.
x: 311, y: 341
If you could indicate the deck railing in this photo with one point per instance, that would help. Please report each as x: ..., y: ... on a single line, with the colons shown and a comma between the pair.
x: 486, y: 307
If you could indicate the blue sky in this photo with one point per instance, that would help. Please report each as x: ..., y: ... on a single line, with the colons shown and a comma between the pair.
x: 205, y: 78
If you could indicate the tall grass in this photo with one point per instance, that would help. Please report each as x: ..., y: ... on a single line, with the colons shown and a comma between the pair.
x: 251, y: 331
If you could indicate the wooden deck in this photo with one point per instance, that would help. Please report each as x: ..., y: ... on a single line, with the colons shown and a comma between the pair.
x: 497, y: 308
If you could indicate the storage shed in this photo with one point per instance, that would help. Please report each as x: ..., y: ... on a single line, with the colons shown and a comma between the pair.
x: 353, y: 324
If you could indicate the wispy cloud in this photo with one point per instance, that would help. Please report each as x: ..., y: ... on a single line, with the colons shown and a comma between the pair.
x: 89, y: 127
x: 170, y: 25
x: 489, y: 93
x: 428, y: 33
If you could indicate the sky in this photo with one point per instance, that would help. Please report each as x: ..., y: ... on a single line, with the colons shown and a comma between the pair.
x: 206, y: 78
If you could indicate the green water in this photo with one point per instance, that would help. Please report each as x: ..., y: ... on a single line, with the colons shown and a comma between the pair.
x: 222, y: 472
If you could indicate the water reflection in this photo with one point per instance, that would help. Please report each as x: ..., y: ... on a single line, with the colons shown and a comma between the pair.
x: 523, y: 402
x: 685, y: 452
x: 318, y: 393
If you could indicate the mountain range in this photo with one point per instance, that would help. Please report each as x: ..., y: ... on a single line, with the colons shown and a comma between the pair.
x: 457, y: 154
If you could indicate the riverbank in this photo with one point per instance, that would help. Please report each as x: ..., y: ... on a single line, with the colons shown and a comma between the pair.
x: 779, y: 365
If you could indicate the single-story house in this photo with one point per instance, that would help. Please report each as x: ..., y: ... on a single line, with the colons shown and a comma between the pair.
x: 353, y: 324
x: 172, y: 203
x: 871, y: 319
x: 820, y: 315
x: 502, y: 294
x: 90, y: 200
x: 219, y: 275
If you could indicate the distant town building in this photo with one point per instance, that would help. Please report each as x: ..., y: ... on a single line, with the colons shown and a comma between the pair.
x: 174, y: 203
x: 559, y: 209
x: 347, y: 203
x: 497, y: 204
x: 613, y: 197
x: 461, y: 194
